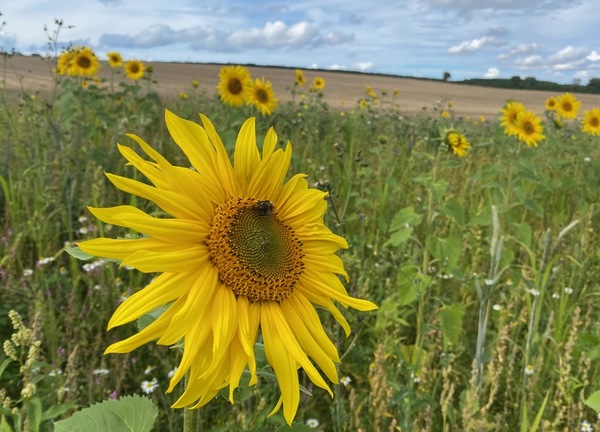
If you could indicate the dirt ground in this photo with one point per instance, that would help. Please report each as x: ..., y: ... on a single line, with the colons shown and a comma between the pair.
x: 342, y: 89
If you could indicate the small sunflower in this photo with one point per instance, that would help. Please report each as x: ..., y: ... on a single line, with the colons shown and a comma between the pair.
x: 242, y: 252
x: 458, y: 143
x: 370, y: 92
x: 64, y: 62
x: 567, y: 106
x: 529, y: 127
x: 300, y: 78
x: 195, y: 83
x: 134, y: 69
x: 261, y: 95
x: 446, y: 114
x: 183, y: 95
x: 84, y: 62
x: 233, y: 81
x: 591, y: 122
x: 319, y: 83
x: 509, y: 117
x: 551, y: 103
x: 114, y: 59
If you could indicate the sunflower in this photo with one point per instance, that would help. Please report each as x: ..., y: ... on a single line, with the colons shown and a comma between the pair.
x: 458, y: 143
x: 370, y: 92
x: 509, y: 117
x: 567, y: 106
x: 529, y: 128
x: 243, y: 252
x: 64, y: 62
x: 300, y: 78
x: 83, y: 62
x: 261, y: 95
x: 114, y: 59
x: 233, y: 81
x: 319, y: 83
x: 551, y: 103
x: 134, y: 69
x: 591, y: 122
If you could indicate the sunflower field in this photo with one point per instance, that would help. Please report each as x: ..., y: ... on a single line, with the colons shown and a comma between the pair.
x: 281, y: 264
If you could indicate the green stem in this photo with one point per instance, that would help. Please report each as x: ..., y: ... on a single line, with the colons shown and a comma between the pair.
x: 191, y: 420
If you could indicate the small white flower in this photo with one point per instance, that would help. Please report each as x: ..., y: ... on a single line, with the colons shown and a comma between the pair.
x: 45, y: 260
x: 27, y: 272
x: 312, y: 423
x: 149, y: 386
x: 529, y: 370
x: 148, y: 370
x: 83, y: 230
x: 568, y: 290
x: 509, y: 282
x: 533, y: 292
x: 556, y: 296
x: 489, y: 282
x: 82, y: 219
x: 497, y: 307
x: 172, y: 372
x: 345, y: 380
x: 100, y: 372
x: 55, y: 372
x: 586, y: 426
x: 587, y: 159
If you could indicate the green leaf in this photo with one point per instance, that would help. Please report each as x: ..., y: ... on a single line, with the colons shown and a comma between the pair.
x: 446, y: 251
x: 128, y: 414
x: 452, y: 208
x: 34, y: 413
x: 451, y: 317
x: 56, y: 410
x: 593, y: 401
x: 484, y: 218
x: 411, y: 283
x: 4, y: 426
x: 3, y: 365
x: 523, y: 233
x: 538, y: 417
x: 75, y: 252
x: 145, y: 320
x: 406, y: 216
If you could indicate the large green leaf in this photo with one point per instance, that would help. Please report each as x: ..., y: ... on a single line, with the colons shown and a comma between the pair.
x: 454, y: 209
x: 593, y: 401
x: 128, y: 414
x: 447, y: 251
x: 451, y: 317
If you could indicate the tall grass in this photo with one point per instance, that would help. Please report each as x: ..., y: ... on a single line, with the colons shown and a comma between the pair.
x: 486, y: 268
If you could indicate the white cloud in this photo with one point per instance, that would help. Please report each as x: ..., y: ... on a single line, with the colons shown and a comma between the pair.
x: 520, y: 49
x: 567, y: 53
x: 468, y: 47
x: 594, y: 56
x: 492, y: 73
x: 364, y: 66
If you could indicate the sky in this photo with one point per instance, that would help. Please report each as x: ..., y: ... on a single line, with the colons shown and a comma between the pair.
x: 553, y: 40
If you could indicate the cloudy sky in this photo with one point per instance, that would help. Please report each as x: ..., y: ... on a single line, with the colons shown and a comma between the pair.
x: 555, y: 40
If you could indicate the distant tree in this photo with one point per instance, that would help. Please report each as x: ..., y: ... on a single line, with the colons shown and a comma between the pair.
x: 594, y: 83
x: 529, y: 83
x: 447, y: 76
x: 515, y: 81
x: 577, y: 81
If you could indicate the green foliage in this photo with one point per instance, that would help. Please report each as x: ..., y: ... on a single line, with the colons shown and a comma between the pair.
x: 127, y: 414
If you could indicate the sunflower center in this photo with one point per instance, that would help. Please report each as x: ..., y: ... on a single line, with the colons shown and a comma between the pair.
x: 567, y: 107
x: 595, y: 122
x: 234, y: 86
x: 262, y: 96
x: 528, y: 128
x: 84, y: 62
x: 256, y: 254
x: 134, y: 68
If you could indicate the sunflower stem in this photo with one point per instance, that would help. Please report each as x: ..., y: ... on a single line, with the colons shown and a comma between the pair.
x: 191, y: 420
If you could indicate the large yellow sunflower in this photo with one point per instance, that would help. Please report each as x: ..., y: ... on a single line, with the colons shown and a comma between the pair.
x: 551, y: 103
x: 567, y: 106
x: 529, y: 127
x: 134, y: 69
x: 261, y: 95
x: 591, y: 122
x: 242, y: 252
x: 114, y: 59
x: 509, y: 117
x: 83, y: 62
x: 233, y: 82
x: 458, y: 143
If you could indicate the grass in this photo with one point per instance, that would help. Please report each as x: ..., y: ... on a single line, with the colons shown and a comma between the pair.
x: 486, y: 268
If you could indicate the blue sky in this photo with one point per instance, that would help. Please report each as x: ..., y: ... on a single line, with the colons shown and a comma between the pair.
x: 555, y: 40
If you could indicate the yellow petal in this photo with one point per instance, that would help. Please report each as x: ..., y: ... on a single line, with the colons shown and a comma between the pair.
x: 269, y: 143
x: 246, y: 156
x: 120, y: 249
x: 173, y: 261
